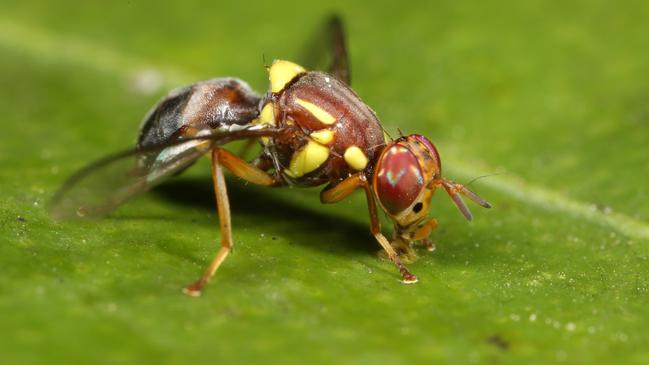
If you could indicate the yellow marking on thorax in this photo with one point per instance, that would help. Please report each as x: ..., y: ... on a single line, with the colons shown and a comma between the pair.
x: 281, y: 73
x: 320, y: 114
x: 355, y: 158
x: 266, y: 116
x: 307, y: 159
x: 322, y: 136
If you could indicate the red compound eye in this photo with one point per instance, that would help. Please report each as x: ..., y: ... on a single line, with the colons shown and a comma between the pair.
x: 397, y: 179
x: 431, y: 148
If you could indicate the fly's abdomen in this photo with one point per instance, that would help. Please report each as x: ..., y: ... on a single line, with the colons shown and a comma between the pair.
x: 214, y: 104
x: 218, y: 104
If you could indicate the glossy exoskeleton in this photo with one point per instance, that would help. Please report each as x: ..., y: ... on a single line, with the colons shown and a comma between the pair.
x: 313, y: 130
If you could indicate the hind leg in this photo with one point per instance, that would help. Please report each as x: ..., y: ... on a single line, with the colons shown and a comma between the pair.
x: 221, y: 158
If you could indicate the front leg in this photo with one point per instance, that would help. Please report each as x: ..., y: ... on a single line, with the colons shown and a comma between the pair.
x: 424, y: 231
x: 404, y: 237
x: 332, y: 194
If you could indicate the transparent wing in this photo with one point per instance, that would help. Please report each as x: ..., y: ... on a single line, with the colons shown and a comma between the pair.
x: 100, y: 187
x: 327, y: 50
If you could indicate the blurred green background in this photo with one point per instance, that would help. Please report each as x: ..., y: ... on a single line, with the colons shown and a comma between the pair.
x: 555, y: 95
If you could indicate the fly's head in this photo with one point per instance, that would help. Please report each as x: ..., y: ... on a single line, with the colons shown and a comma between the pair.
x: 404, y: 181
x: 406, y: 175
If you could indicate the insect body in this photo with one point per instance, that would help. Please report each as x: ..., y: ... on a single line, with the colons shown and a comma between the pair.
x: 333, y: 134
x: 313, y: 129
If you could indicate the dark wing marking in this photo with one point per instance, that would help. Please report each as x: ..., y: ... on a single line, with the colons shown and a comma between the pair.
x: 103, y: 185
x: 340, y: 57
x: 327, y: 50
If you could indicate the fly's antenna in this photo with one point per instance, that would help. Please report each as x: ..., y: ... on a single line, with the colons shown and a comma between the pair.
x: 483, y: 176
x: 400, y: 132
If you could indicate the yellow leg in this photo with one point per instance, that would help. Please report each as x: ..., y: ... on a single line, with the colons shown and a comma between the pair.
x: 243, y: 169
x: 224, y: 159
x: 223, y: 207
x: 424, y: 230
x: 338, y: 192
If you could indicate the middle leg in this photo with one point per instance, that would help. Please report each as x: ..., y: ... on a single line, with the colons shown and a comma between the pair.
x: 222, y: 158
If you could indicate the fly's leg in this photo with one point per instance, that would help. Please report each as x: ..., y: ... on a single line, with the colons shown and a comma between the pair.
x: 424, y: 230
x: 422, y: 233
x: 428, y: 244
x: 335, y: 193
x: 375, y: 225
x: 245, y: 170
x: 403, y: 239
x: 223, y: 159
x: 332, y: 194
x: 223, y: 208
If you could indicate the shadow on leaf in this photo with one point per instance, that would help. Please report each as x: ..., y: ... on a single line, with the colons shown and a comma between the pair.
x: 288, y: 220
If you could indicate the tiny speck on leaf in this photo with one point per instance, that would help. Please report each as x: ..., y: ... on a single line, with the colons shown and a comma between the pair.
x: 499, y: 342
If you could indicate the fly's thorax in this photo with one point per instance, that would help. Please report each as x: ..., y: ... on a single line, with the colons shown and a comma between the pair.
x: 281, y: 73
x: 337, y: 133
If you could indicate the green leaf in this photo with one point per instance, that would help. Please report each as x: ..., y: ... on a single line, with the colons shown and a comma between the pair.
x: 552, y: 98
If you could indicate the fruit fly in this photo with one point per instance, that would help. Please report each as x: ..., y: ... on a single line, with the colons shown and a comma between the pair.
x: 313, y: 130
